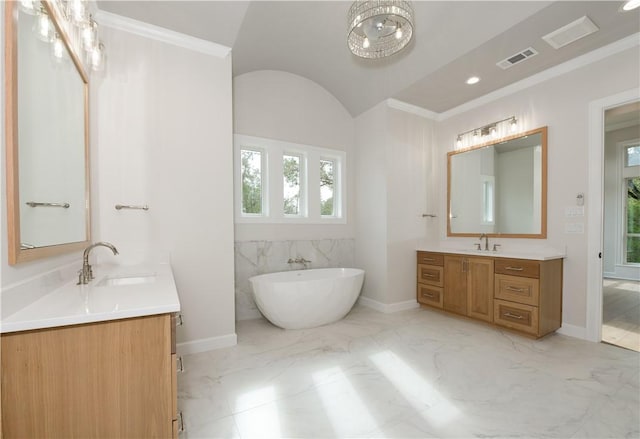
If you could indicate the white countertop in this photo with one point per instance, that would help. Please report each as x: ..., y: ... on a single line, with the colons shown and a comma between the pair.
x: 74, y: 304
x: 537, y: 254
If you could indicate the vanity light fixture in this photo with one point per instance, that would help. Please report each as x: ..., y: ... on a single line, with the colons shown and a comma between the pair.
x: 493, y: 130
x: 379, y: 28
x: 77, y: 23
x: 630, y: 5
x: 473, y: 80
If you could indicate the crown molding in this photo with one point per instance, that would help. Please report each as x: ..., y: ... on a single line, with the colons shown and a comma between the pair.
x: 162, y: 34
x: 410, y: 108
x: 553, y: 72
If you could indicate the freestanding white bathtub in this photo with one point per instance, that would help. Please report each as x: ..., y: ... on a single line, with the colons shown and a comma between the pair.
x: 307, y: 298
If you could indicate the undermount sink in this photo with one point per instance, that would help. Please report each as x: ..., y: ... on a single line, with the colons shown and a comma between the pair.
x: 127, y: 280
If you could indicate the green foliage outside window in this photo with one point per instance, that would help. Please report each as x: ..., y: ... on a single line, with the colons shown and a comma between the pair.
x: 633, y: 220
x: 251, y: 167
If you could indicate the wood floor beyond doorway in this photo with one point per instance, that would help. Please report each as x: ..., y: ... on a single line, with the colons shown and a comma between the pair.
x: 621, y: 313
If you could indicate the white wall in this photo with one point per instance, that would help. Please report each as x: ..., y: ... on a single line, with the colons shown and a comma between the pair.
x: 392, y: 161
x: 372, y: 138
x: 283, y: 106
x: 562, y: 104
x: 162, y: 136
x: 613, y: 204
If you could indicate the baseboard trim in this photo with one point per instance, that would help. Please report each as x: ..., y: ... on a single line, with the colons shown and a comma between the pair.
x: 387, y: 308
x: 207, y: 344
x: 573, y: 331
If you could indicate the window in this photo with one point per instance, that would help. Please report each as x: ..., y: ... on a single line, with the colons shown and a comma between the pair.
x: 631, y: 195
x: 304, y: 184
x: 327, y: 187
x: 488, y: 197
x: 292, y: 176
x: 251, y: 165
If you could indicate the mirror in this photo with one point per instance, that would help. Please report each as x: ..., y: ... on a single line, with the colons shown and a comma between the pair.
x: 47, y: 141
x: 499, y: 188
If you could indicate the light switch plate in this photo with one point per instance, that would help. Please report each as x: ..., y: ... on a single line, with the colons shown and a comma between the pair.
x: 573, y: 211
x: 574, y: 228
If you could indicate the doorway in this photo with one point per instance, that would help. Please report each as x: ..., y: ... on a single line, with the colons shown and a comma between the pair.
x: 621, y: 227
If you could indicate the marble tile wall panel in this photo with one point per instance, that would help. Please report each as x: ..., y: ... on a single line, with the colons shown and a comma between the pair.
x: 259, y: 257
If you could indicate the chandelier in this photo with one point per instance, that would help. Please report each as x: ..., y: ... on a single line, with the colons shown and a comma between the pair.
x: 379, y: 28
x: 78, y: 25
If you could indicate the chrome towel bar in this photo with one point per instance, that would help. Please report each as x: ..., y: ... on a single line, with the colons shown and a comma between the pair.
x: 34, y: 204
x: 126, y: 206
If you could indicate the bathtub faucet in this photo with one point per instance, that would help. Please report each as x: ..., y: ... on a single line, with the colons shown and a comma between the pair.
x: 302, y: 261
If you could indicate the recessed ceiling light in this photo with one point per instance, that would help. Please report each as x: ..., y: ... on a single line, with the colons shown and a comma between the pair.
x: 473, y: 80
x: 631, y: 4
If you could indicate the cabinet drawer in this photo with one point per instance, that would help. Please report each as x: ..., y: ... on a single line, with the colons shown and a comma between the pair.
x: 517, y: 267
x: 427, y: 258
x: 517, y: 289
x: 428, y: 274
x: 516, y: 316
x: 429, y: 295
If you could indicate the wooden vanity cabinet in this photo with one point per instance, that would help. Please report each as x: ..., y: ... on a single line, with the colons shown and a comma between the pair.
x: 95, y: 380
x: 528, y: 295
x: 520, y: 294
x: 468, y: 286
x: 430, y: 278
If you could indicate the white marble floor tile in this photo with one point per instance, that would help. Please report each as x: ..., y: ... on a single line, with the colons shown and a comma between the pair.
x: 416, y: 373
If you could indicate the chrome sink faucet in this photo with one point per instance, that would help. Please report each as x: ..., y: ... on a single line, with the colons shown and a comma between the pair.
x: 86, y: 274
x: 486, y: 241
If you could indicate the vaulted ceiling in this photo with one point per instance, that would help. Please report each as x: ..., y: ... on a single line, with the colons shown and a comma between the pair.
x: 453, y: 41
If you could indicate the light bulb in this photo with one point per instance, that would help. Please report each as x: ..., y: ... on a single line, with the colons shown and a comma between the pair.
x: 514, y: 125
x: 365, y: 43
x: 28, y: 7
x: 494, y: 132
x: 57, y: 48
x: 475, y: 135
x: 96, y: 57
x: 459, y: 142
x: 77, y: 11
x: 43, y: 27
x: 631, y: 4
x: 399, y: 33
x: 473, y: 80
x: 89, y: 34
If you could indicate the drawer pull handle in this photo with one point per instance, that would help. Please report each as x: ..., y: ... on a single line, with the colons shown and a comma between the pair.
x: 429, y: 295
x: 428, y: 275
x: 514, y: 268
x: 428, y: 259
x: 180, y: 422
x: 179, y: 321
x: 513, y: 316
x: 180, y: 367
x: 519, y: 290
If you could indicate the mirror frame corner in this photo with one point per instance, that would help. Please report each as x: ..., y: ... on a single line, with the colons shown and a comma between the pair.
x: 543, y: 196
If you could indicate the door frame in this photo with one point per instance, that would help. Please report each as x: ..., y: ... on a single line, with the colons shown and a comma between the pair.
x: 595, y: 209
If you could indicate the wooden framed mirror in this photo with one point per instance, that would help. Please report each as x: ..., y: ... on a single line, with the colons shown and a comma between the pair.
x: 47, y: 139
x: 499, y: 188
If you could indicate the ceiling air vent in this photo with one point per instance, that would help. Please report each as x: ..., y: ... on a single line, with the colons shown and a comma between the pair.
x: 573, y: 31
x: 518, y: 57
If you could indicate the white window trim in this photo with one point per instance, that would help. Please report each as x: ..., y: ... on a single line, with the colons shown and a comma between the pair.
x: 273, y: 199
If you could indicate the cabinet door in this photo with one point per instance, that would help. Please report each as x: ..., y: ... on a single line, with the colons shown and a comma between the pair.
x: 98, y: 380
x: 455, y: 284
x: 480, y: 288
